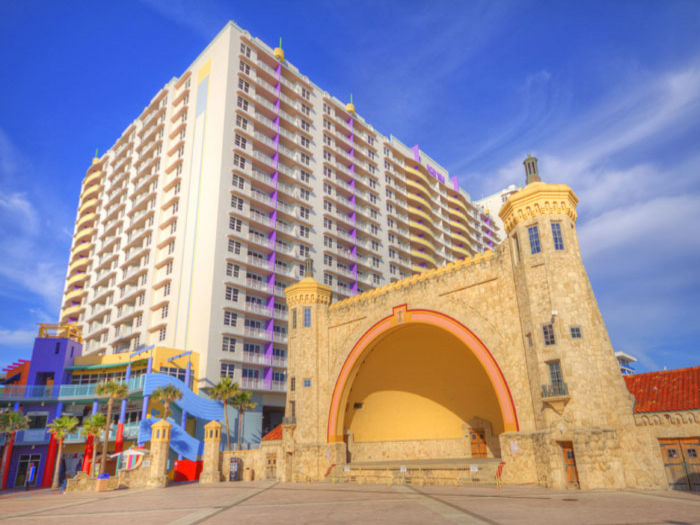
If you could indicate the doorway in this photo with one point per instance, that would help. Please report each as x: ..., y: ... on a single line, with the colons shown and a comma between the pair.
x: 681, y: 462
x: 23, y: 467
x: 478, y: 439
x: 567, y: 449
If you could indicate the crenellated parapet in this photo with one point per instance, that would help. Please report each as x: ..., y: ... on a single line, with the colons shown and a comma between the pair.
x: 538, y: 198
x: 308, y: 291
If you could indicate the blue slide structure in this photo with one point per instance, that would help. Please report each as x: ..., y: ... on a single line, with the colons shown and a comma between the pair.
x: 197, y: 406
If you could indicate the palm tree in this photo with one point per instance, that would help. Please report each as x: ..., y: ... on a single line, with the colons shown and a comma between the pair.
x: 10, y: 423
x: 60, y: 427
x: 243, y: 402
x: 166, y: 395
x: 112, y: 390
x: 94, y: 426
x: 225, y: 390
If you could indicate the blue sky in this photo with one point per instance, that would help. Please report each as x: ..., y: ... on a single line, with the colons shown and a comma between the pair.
x: 606, y: 94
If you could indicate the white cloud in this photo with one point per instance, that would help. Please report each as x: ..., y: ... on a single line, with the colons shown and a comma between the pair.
x: 637, y: 211
x: 17, y: 337
x: 30, y: 265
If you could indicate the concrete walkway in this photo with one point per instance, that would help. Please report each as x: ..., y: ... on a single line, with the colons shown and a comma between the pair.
x: 272, y: 503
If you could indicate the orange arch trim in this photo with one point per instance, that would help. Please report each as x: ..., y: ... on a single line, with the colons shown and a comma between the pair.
x: 402, y: 315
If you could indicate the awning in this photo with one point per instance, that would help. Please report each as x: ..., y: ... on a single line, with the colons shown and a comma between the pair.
x: 113, y: 365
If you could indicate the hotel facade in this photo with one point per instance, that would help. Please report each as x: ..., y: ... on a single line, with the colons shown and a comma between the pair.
x: 193, y: 223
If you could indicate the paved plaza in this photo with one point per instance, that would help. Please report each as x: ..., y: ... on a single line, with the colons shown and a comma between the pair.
x: 271, y: 502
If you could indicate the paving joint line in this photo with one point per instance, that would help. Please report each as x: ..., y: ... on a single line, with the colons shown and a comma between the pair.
x: 208, y: 512
x: 464, y: 512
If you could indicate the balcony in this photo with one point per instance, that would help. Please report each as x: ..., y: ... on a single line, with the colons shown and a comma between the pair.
x: 555, y: 390
x: 556, y: 396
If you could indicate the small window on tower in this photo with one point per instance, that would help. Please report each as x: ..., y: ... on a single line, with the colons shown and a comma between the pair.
x: 576, y: 332
x: 307, y: 317
x: 294, y: 320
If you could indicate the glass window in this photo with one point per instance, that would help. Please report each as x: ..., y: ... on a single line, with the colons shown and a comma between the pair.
x: 307, y: 382
x: 307, y: 317
x: 556, y: 235
x: 555, y: 372
x: 548, y: 332
x: 294, y: 317
x: 534, y: 235
x: 227, y: 370
x: 576, y: 332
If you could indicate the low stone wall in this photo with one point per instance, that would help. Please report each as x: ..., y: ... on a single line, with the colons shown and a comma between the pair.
x: 408, y: 450
x: 250, y: 459
x: 81, y: 482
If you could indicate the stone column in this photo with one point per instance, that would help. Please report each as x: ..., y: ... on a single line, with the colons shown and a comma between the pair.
x: 211, y: 468
x: 160, y: 446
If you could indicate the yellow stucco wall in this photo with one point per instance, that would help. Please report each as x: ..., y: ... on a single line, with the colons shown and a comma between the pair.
x: 419, y: 382
x: 160, y: 359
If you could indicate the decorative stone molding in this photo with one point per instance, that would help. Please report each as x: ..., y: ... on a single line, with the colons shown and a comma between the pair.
x: 667, y: 418
x: 414, y: 279
x: 308, y: 291
x: 538, y: 198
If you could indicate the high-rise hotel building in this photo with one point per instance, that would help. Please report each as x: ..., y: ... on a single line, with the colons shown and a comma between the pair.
x: 192, y: 224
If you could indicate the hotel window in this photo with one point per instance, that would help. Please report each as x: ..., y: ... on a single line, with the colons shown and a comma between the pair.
x: 304, y: 125
x: 231, y: 294
x: 245, y: 50
x: 304, y: 194
x: 327, y: 223
x: 234, y: 224
x: 245, y: 68
x: 230, y: 318
x: 164, y: 312
x: 169, y: 268
x: 303, y: 212
x: 548, y: 333
x: 241, y: 122
x: 327, y: 279
x: 305, y: 159
x: 240, y: 162
x: 328, y: 260
x: 305, y: 143
x: 242, y: 103
x: 228, y: 344
x: 327, y: 205
x: 327, y: 189
x: 227, y: 370
x: 306, y: 110
x: 305, y: 93
x: 576, y: 332
x: 166, y: 289
x: 328, y: 242
x: 236, y: 202
x: 240, y: 141
x: 238, y: 182
x: 243, y: 85
x: 303, y: 251
x: 534, y: 236
x: 556, y: 235
x: 327, y: 156
x: 171, y: 247
x: 234, y: 246
x: 161, y: 334
x: 304, y: 232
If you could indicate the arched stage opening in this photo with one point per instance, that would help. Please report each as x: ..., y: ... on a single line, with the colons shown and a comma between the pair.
x: 420, y: 385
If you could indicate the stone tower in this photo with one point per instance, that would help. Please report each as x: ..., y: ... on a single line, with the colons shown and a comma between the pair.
x: 574, y: 376
x: 306, y: 411
x: 160, y: 446
x: 211, y: 459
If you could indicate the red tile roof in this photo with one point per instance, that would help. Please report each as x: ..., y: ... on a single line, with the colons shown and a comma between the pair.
x: 665, y: 391
x: 275, y: 433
